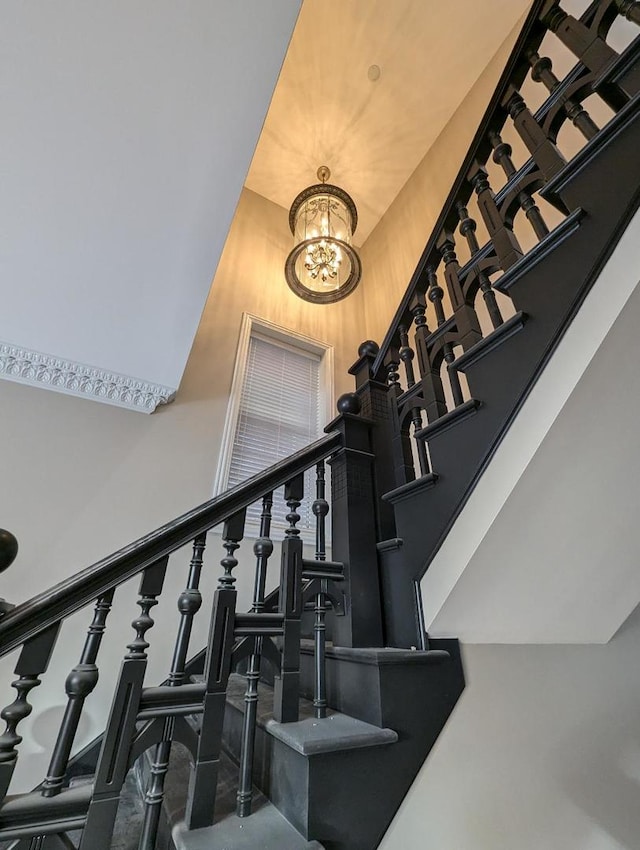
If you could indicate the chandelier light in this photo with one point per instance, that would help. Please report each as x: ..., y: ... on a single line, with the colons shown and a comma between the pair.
x: 323, y: 266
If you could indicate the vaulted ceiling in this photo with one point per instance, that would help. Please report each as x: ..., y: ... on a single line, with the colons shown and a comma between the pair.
x: 128, y: 133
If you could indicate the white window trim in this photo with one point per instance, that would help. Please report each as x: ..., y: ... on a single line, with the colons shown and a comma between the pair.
x: 254, y: 325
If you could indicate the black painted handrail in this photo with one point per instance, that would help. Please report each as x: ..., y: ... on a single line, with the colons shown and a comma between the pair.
x: 36, y: 614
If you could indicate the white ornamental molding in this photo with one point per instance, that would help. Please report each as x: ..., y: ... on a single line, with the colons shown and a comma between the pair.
x: 67, y: 376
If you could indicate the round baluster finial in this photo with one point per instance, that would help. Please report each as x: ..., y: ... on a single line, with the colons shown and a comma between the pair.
x: 368, y: 347
x: 8, y: 549
x: 349, y: 403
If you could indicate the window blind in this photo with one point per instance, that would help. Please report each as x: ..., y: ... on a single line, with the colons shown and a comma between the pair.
x: 279, y: 413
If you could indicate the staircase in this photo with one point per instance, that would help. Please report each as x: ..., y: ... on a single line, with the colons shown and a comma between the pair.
x: 326, y: 697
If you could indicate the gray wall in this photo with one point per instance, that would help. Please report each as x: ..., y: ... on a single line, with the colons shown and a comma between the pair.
x: 541, y: 753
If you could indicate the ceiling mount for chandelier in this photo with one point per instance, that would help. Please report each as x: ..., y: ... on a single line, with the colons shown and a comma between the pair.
x: 323, y: 266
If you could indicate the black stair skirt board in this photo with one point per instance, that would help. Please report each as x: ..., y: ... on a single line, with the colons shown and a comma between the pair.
x: 549, y: 292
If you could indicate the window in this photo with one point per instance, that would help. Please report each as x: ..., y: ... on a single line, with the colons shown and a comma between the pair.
x: 280, y: 401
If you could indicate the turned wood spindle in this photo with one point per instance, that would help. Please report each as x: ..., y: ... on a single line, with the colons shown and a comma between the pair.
x: 80, y: 682
x: 406, y: 355
x: 262, y: 549
x: 502, y: 156
x: 320, y: 510
x: 542, y: 72
x: 468, y: 230
x: 189, y: 603
x: 505, y: 244
x: 544, y: 153
x: 629, y: 9
x: 436, y: 294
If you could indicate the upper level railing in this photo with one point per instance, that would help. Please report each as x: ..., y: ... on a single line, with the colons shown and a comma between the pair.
x: 498, y: 195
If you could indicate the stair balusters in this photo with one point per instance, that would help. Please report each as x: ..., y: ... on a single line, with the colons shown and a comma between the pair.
x: 406, y: 355
x: 436, y: 294
x: 189, y: 603
x: 80, y: 682
x: 401, y: 444
x: 629, y: 9
x: 286, y: 690
x: 262, y: 548
x: 545, y: 154
x: 320, y: 510
x: 204, y: 773
x: 502, y: 156
x: 32, y: 663
x: 504, y: 242
x: 541, y: 72
x: 468, y: 230
x: 113, y: 763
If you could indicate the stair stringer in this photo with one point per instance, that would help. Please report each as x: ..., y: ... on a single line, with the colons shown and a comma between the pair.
x: 549, y: 287
x: 546, y: 402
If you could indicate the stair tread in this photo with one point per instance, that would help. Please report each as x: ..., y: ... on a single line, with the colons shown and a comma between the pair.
x: 310, y: 736
x: 336, y: 732
x: 266, y: 829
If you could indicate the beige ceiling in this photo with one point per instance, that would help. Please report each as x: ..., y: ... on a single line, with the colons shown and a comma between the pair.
x: 372, y: 135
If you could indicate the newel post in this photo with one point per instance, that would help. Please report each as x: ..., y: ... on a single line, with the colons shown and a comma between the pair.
x: 374, y: 405
x: 353, y: 522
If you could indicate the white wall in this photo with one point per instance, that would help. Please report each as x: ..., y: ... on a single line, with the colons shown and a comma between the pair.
x: 542, y: 752
x: 129, y: 128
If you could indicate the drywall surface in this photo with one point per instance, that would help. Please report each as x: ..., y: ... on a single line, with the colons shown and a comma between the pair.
x: 80, y: 480
x: 542, y: 752
x: 129, y: 128
x: 392, y: 251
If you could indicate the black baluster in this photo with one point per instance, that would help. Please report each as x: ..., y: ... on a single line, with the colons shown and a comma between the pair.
x: 286, y: 690
x: 502, y: 156
x: 585, y: 44
x: 505, y: 244
x: 629, y: 9
x: 467, y: 323
x: 406, y: 355
x: 189, y: 603
x: 468, y: 230
x: 542, y: 72
x: 80, y: 682
x: 32, y: 663
x: 204, y: 773
x: 320, y: 510
x: 545, y: 154
x: 262, y: 548
x: 401, y: 443
x: 113, y: 762
x: 432, y: 390
x: 435, y: 296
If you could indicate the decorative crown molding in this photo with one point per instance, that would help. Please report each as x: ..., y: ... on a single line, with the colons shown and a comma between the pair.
x: 66, y: 376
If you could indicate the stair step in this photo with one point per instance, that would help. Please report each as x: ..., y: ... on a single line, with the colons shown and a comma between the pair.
x: 266, y: 829
x: 310, y: 736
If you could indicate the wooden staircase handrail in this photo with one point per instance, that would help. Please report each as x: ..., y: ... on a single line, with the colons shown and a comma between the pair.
x: 54, y: 604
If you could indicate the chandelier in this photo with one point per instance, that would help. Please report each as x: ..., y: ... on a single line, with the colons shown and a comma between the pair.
x: 323, y: 267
